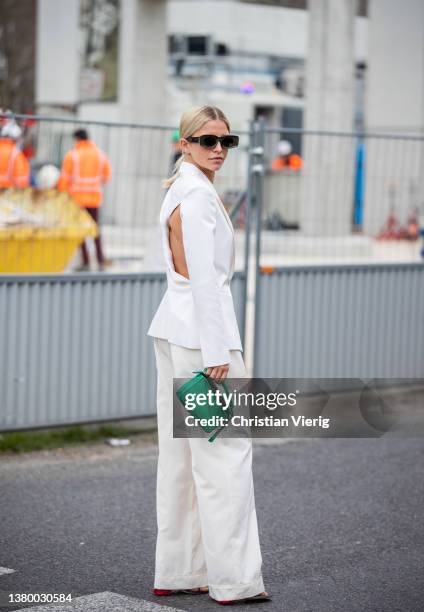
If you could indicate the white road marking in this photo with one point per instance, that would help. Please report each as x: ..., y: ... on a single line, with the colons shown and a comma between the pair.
x: 103, y: 602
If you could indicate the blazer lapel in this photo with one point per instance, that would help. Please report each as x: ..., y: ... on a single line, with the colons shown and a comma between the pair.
x: 228, y: 220
x: 226, y: 215
x: 189, y: 167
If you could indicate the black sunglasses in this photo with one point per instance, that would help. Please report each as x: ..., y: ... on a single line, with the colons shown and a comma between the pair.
x: 209, y: 141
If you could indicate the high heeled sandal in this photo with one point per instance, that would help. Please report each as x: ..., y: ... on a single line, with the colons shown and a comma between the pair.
x: 161, y: 592
x: 260, y: 597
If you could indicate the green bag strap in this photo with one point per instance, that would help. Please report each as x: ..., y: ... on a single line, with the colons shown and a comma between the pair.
x: 216, y: 432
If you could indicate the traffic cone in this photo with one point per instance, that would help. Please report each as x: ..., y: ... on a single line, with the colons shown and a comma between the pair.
x: 391, y: 228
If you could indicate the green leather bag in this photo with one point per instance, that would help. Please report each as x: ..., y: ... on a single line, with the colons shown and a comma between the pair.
x: 201, y: 383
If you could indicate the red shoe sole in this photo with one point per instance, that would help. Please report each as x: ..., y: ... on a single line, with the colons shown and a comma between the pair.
x: 162, y: 592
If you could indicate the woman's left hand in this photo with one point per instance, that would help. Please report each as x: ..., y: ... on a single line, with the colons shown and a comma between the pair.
x: 218, y: 373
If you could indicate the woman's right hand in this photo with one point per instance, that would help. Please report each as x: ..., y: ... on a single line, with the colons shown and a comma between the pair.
x: 218, y: 373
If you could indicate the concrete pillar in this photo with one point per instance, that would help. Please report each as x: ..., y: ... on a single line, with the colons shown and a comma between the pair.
x: 143, y: 153
x: 144, y: 63
x: 56, y: 57
x: 394, y: 104
x: 329, y: 160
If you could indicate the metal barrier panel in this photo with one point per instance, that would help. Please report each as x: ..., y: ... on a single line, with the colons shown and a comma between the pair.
x: 74, y: 348
x: 339, y: 274
x: 341, y: 321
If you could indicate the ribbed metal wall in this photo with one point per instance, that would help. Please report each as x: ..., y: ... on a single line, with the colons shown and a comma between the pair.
x: 341, y: 321
x: 74, y: 348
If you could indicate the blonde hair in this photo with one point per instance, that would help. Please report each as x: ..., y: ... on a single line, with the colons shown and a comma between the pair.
x: 191, y: 121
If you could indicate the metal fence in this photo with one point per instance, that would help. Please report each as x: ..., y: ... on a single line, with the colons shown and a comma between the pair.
x: 341, y: 321
x: 322, y: 287
x: 338, y: 281
x: 141, y: 156
x: 74, y: 348
x: 357, y: 198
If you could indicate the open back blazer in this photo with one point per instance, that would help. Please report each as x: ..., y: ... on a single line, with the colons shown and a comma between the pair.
x: 199, y: 312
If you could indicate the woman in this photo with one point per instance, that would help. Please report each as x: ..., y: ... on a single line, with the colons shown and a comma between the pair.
x: 207, y: 537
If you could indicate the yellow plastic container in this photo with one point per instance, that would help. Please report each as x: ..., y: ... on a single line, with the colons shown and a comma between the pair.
x: 49, y: 227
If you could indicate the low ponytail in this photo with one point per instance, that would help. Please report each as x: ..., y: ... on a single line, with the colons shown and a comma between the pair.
x: 176, y: 173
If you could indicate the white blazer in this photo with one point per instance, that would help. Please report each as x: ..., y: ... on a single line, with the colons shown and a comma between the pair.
x: 199, y: 312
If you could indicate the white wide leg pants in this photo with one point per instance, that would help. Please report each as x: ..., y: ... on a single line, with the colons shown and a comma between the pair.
x: 206, y: 516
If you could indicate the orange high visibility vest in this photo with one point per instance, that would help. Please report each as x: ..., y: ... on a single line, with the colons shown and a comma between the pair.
x: 14, y: 166
x: 84, y: 170
x: 294, y: 162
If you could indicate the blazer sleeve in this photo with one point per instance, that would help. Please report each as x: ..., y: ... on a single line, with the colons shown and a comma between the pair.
x: 198, y: 213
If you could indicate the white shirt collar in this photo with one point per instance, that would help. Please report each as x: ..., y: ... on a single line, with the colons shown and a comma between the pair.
x: 189, y: 168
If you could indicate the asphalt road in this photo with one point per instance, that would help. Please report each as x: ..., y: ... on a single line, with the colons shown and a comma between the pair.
x: 341, y: 526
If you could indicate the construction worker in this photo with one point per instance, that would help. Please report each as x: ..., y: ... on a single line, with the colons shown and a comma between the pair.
x: 14, y: 167
x: 85, y: 169
x: 285, y: 158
